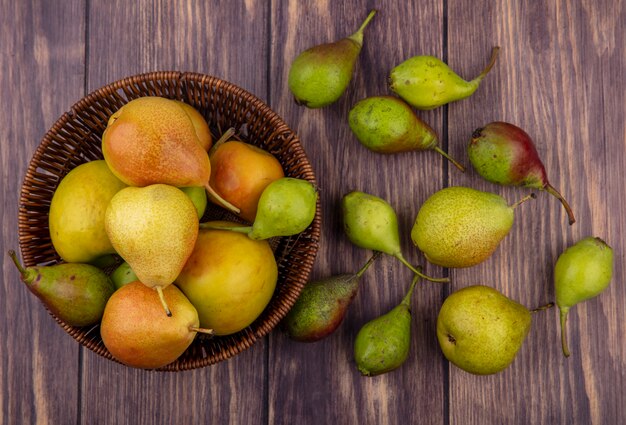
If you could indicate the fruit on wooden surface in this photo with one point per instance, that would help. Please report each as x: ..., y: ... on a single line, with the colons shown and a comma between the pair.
x: 371, y: 223
x: 138, y: 334
x: 386, y: 124
x: 320, y: 75
x: 461, y: 227
x: 74, y: 292
x: 583, y: 271
x: 154, y: 229
x: 229, y: 278
x: 505, y: 154
x: 480, y: 330
x: 76, y: 218
x: 426, y: 82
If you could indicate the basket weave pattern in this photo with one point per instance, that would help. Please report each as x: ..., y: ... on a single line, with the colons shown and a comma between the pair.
x: 76, y: 138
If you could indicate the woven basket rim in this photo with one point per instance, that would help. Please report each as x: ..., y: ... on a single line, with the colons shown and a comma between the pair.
x: 179, y: 80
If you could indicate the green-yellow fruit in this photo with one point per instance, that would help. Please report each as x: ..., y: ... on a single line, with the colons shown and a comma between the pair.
x: 197, y: 195
x: 123, y: 275
x: 76, y: 219
x: 229, y: 278
x: 461, y: 227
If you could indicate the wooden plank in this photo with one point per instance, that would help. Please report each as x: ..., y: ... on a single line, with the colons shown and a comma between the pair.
x: 552, y: 80
x: 40, y: 78
x: 228, y: 40
x: 319, y: 382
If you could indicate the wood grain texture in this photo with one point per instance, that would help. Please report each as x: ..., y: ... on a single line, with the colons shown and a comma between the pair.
x: 319, y: 382
x: 224, y: 39
x: 41, y: 74
x: 559, y: 76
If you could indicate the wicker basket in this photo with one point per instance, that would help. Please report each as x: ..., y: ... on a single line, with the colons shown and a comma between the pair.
x: 76, y: 138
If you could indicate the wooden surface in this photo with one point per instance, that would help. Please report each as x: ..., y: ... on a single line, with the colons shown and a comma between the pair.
x: 560, y: 76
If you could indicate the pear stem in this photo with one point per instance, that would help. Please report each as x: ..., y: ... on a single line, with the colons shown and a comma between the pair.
x: 552, y: 191
x: 563, y: 315
x: 494, y: 55
x: 201, y: 330
x: 238, y: 229
x: 13, y: 256
x: 524, y: 199
x: 542, y: 308
x: 417, y: 272
x: 357, y: 37
x: 223, y: 139
x: 407, y: 298
x: 449, y: 158
x: 163, y: 302
x: 369, y: 263
x: 221, y: 200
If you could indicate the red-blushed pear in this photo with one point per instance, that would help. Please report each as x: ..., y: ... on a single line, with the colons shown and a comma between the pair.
x: 240, y: 172
x: 154, y: 229
x: 153, y: 140
x: 138, y: 334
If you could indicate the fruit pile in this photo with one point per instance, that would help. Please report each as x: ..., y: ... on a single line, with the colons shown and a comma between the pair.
x: 144, y: 205
x: 479, y: 329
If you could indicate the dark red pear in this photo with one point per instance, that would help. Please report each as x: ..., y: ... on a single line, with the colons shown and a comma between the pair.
x: 505, y: 154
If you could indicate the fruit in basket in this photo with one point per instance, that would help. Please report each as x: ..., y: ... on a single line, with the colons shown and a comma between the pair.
x: 461, y: 227
x: 198, y: 197
x: 286, y: 207
x: 138, y: 334
x: 371, y: 223
x: 383, y: 343
x: 76, y: 218
x: 481, y: 330
x: 152, y: 140
x: 240, y: 172
x: 426, y: 82
x: 229, y: 278
x: 386, y: 124
x: 199, y: 124
x: 581, y: 272
x: 122, y: 275
x: 154, y: 229
x: 320, y: 75
x: 505, y: 154
x: 322, y: 305
x: 74, y: 292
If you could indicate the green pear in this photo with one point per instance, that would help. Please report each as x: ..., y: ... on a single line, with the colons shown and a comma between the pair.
x: 461, y: 227
x: 426, y: 82
x: 371, y: 223
x: 383, y: 343
x: 480, y: 330
x: 197, y: 195
x: 76, y: 218
x: 123, y: 275
x: 319, y: 75
x: 286, y: 207
x: 154, y: 229
x: 322, y: 305
x: 386, y: 124
x: 581, y: 272
x: 136, y: 332
x: 75, y: 293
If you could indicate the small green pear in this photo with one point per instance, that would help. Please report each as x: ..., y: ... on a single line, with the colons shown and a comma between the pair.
x: 386, y: 124
x: 383, y: 344
x: 371, y: 223
x: 320, y: 75
x: 76, y: 293
x: 426, y: 82
x: 122, y: 275
x: 322, y: 305
x: 581, y: 272
x: 461, y: 227
x: 286, y: 207
x: 154, y: 229
x: 480, y: 330
x: 197, y: 195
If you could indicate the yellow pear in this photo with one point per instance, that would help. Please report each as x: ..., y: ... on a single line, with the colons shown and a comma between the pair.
x: 229, y: 278
x: 76, y: 218
x: 154, y: 229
